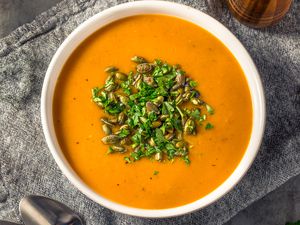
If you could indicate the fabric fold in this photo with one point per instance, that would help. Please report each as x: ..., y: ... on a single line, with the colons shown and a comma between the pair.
x: 27, y: 167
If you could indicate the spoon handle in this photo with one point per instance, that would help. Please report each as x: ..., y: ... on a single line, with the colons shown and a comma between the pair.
x: 2, y: 222
x: 38, y: 210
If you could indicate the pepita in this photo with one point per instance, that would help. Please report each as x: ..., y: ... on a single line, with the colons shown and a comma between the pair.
x: 149, y: 80
x: 125, y: 141
x: 138, y: 59
x: 169, y: 136
x: 121, y: 118
x: 117, y: 148
x: 158, y: 156
x: 121, y: 76
x: 156, y: 124
x: 190, y: 127
x: 111, y: 69
x: 158, y: 101
x: 106, y: 129
x: 107, y: 121
x: 110, y: 139
x: 123, y: 99
x: 151, y: 107
x: 152, y: 142
x: 144, y: 68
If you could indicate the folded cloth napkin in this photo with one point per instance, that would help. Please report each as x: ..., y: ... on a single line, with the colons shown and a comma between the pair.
x: 27, y: 167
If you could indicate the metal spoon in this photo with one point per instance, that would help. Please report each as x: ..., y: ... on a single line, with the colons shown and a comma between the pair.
x: 2, y: 222
x: 38, y: 210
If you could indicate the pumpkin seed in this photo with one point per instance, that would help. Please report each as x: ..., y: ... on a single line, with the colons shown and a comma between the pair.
x: 187, y: 89
x: 136, y: 149
x: 152, y: 142
x: 190, y: 127
x: 138, y: 84
x: 149, y: 80
x: 186, y: 96
x: 138, y: 59
x: 111, y: 69
x: 117, y: 148
x: 156, y: 124
x: 110, y: 87
x: 125, y: 127
x: 180, y: 80
x: 169, y: 136
x: 170, y: 130
x: 200, y: 102
x: 137, y: 78
x: 110, y: 77
x: 179, y: 144
x: 195, y: 101
x: 158, y: 101
x: 121, y: 76
x: 123, y: 99
x: 100, y: 104
x: 112, y: 97
x: 106, y: 129
x: 179, y: 135
x: 107, y: 121
x: 179, y: 99
x: 158, y: 156
x: 121, y: 118
x: 164, y: 117
x: 180, y: 91
x: 175, y: 87
x: 144, y: 68
x: 143, y: 119
x: 151, y: 107
x: 110, y: 139
x: 125, y: 141
x: 113, y: 120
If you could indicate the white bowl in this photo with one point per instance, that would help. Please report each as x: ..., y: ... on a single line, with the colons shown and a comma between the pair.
x: 185, y: 13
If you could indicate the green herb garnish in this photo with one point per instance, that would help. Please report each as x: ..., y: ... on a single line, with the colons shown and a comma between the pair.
x: 150, y: 111
x: 209, y: 126
x: 155, y: 172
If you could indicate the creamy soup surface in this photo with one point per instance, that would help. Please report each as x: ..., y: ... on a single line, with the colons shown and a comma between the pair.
x: 216, y: 152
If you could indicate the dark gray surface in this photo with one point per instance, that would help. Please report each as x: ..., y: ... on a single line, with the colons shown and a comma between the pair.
x: 276, y: 208
x: 14, y: 13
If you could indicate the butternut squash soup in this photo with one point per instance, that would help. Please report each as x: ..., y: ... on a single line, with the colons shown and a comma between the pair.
x: 214, y: 148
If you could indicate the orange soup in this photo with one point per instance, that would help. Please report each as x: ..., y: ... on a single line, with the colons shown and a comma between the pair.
x: 216, y: 152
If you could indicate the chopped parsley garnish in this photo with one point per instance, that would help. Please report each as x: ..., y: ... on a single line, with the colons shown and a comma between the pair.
x: 150, y: 111
x: 209, y: 126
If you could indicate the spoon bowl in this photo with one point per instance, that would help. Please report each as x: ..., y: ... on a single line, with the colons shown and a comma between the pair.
x: 36, y: 210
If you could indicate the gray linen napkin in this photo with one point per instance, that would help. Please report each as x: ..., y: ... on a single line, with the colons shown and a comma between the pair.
x: 26, y: 166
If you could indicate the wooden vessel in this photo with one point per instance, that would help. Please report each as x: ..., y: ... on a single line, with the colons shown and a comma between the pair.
x: 259, y: 13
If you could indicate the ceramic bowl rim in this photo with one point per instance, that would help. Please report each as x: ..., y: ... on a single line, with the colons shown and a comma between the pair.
x: 186, y: 13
